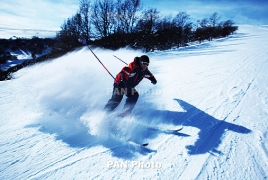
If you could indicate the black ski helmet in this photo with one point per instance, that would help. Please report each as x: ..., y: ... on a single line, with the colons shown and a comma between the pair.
x: 144, y: 58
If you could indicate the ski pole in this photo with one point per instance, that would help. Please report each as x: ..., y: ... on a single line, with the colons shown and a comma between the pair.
x: 100, y: 61
x: 120, y: 59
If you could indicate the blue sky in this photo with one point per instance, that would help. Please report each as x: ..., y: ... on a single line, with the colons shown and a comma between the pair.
x: 50, y: 14
x: 39, y: 14
x: 240, y: 11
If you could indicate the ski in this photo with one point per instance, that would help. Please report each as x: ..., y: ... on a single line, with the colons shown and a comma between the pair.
x: 168, y: 131
x: 179, y: 129
x: 145, y: 144
x: 138, y: 144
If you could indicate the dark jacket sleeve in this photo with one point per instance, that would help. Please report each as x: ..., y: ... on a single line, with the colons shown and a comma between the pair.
x: 150, y: 76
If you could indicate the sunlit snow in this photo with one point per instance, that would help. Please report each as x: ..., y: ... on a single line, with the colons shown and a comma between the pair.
x: 53, y: 125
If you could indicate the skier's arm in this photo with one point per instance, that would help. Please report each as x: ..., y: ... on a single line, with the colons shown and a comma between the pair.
x: 153, y: 80
x: 151, y: 77
x: 122, y: 75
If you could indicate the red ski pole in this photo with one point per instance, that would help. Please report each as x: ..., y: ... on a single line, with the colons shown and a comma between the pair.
x: 100, y: 62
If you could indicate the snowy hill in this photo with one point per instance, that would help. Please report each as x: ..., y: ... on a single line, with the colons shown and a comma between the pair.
x: 52, y: 126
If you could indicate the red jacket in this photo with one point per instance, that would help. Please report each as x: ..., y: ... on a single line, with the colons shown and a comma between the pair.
x: 133, y: 74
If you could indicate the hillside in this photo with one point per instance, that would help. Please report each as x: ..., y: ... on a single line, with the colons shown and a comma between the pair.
x: 53, y: 127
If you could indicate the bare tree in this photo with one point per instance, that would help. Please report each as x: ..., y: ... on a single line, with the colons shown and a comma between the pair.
x: 203, y: 23
x: 70, y: 33
x: 148, y: 21
x: 214, y: 19
x: 84, y: 11
x: 127, y: 15
x: 147, y: 26
x: 181, y: 19
x: 165, y: 33
x: 182, y: 24
x: 228, y: 28
x: 102, y: 17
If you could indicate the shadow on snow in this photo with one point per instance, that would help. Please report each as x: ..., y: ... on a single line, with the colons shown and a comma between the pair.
x: 209, y: 136
x: 211, y: 129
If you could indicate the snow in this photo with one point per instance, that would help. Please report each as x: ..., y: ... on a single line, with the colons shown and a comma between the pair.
x: 52, y: 125
x: 7, y: 33
x: 22, y: 56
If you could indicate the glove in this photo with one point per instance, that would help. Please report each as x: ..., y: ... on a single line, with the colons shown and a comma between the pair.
x: 154, y: 81
x: 120, y: 84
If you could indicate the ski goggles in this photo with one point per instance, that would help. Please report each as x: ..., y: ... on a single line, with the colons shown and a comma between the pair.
x: 145, y: 63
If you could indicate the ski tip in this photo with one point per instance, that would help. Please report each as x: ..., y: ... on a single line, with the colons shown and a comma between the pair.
x: 145, y: 144
x: 178, y: 129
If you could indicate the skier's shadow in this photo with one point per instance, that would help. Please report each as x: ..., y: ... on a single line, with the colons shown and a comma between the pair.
x: 210, y: 134
x: 76, y: 135
x: 211, y: 129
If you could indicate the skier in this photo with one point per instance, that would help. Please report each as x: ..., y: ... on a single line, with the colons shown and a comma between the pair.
x: 125, y: 82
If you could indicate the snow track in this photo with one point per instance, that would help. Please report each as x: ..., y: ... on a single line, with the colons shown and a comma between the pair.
x: 51, y: 126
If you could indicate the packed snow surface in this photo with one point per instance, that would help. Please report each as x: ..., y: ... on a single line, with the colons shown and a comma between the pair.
x: 53, y: 125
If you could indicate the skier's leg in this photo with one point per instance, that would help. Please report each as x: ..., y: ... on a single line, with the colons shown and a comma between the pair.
x: 118, y: 93
x: 132, y: 98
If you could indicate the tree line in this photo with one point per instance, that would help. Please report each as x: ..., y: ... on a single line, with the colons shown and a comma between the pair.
x: 119, y: 23
x: 115, y: 24
x: 34, y: 46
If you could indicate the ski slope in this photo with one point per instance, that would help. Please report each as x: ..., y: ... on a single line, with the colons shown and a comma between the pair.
x: 52, y: 125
